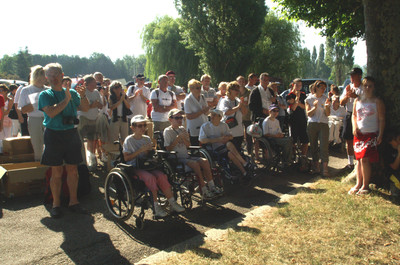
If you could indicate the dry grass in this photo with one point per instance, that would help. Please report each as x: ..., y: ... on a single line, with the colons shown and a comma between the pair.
x: 320, y: 225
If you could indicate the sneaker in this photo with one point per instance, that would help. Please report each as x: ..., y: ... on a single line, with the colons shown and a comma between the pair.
x: 159, y: 211
x: 217, y: 190
x: 55, y: 212
x: 208, y: 195
x: 175, y: 207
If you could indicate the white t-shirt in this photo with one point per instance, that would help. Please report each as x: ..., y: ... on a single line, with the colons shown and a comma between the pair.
x: 319, y: 114
x: 227, y: 104
x: 265, y: 97
x: 210, y: 94
x: 250, y: 87
x: 138, y: 106
x: 340, y: 113
x: 350, y: 102
x: 92, y: 113
x: 131, y: 145
x: 192, y: 105
x: 177, y: 90
x: 271, y: 126
x: 210, y: 131
x: 30, y: 95
x: 164, y: 99
x: 169, y: 136
x: 17, y: 94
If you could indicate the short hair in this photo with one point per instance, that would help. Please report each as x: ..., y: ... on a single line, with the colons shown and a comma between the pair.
x: 205, y: 76
x: 13, y: 87
x: 36, y: 72
x: 368, y: 78
x: 297, y: 80
x: 53, y: 67
x: 193, y: 83
x: 170, y: 72
x: 4, y: 87
x: 115, y: 84
x: 264, y: 74
x: 97, y: 73
x: 161, y: 77
x: 251, y: 75
x: 319, y: 83
x: 222, y: 84
x: 239, y: 77
x: 67, y: 78
x: 232, y: 85
x: 335, y: 89
x: 88, y: 79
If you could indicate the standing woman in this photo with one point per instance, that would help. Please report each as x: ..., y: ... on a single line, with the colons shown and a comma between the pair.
x: 119, y: 107
x: 8, y: 103
x: 368, y: 127
x: 233, y: 107
x: 196, y: 110
x: 13, y: 115
x: 318, y: 108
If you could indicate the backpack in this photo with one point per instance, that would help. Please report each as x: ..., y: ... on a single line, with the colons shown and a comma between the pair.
x: 255, y: 129
x: 84, y: 185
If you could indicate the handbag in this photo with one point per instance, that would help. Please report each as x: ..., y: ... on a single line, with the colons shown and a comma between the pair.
x: 231, y: 121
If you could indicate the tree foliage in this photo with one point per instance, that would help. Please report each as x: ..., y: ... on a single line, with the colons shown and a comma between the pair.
x: 321, y: 69
x: 340, y: 58
x: 165, y: 51
x: 340, y: 18
x: 223, y: 33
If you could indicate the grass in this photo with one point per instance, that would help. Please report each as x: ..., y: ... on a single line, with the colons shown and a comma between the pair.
x: 320, y: 225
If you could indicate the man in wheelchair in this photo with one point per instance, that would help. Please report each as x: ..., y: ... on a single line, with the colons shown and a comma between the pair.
x: 215, y: 135
x: 137, y: 146
x: 177, y: 139
x: 273, y: 132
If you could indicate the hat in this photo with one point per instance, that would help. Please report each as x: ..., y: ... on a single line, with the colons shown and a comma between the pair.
x: 131, y: 83
x: 355, y: 71
x: 174, y: 112
x: 140, y: 76
x: 138, y: 118
x: 217, y: 111
x: 273, y: 106
x: 291, y: 95
x: 170, y: 72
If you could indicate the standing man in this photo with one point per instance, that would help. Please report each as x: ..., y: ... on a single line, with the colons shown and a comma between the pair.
x: 260, y: 98
x: 252, y: 81
x: 209, y: 93
x: 163, y: 101
x: 179, y: 93
x: 138, y: 96
x: 61, y: 139
x: 350, y: 93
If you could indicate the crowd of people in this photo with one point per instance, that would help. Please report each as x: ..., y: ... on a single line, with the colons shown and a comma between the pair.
x: 97, y: 110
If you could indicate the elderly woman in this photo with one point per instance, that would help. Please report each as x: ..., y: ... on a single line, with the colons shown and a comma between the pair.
x: 28, y: 103
x: 234, y: 109
x: 119, y: 107
x: 196, y: 110
x: 318, y: 108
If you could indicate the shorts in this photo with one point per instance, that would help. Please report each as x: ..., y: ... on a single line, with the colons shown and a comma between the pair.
x: 87, y: 128
x: 299, y: 132
x: 61, y: 146
x: 347, y: 133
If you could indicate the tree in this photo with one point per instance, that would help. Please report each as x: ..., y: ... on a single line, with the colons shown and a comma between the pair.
x: 322, y: 70
x: 278, y: 49
x: 340, y: 58
x: 307, y: 68
x: 377, y: 21
x: 7, y: 65
x: 223, y: 33
x: 23, y: 63
x: 314, y: 61
x: 165, y: 51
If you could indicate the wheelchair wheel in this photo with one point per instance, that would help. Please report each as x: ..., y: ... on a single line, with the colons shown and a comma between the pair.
x: 264, y: 153
x: 204, y: 153
x: 119, y: 194
x: 186, y: 199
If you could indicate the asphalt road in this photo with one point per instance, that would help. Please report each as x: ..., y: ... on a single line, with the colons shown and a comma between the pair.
x: 29, y: 236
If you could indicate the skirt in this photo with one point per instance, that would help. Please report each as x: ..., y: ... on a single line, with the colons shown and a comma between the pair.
x: 365, y: 145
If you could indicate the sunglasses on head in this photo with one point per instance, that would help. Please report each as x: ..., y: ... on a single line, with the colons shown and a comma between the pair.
x: 140, y: 125
x: 177, y: 118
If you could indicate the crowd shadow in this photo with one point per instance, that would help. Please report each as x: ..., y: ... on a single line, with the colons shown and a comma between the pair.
x: 82, y: 243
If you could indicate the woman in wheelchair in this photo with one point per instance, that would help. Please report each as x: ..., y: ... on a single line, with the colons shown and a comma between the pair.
x: 217, y: 135
x: 273, y: 132
x: 176, y: 138
x: 137, y: 146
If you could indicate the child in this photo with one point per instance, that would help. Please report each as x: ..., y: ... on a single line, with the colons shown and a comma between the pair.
x: 392, y: 161
x: 336, y: 120
x: 298, y: 119
x: 273, y: 132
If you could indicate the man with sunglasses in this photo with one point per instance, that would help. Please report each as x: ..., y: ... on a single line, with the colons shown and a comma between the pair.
x: 138, y: 96
x: 176, y: 138
x: 273, y: 132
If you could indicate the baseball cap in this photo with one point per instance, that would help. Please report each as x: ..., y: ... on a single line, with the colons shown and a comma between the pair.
x: 138, y: 118
x: 356, y: 71
x: 273, y: 106
x: 174, y: 112
x: 217, y: 111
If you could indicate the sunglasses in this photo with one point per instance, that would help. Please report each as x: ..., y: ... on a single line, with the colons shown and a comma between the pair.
x: 177, y: 118
x: 140, y: 126
x: 275, y: 110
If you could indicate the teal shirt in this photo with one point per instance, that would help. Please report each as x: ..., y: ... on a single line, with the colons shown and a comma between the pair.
x: 49, y: 97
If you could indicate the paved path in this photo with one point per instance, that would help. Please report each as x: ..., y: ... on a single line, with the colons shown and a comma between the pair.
x: 29, y: 236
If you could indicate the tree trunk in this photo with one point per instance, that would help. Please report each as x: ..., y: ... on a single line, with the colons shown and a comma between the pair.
x: 382, y: 32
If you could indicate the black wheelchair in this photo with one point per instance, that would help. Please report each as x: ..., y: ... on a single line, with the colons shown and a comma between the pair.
x: 126, y: 195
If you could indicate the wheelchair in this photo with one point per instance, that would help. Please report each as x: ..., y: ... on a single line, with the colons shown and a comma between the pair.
x: 183, y: 179
x: 126, y: 195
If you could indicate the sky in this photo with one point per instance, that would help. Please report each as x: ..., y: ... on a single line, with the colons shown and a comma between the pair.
x: 109, y: 27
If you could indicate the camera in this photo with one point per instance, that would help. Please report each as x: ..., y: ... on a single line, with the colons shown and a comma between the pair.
x: 70, y: 120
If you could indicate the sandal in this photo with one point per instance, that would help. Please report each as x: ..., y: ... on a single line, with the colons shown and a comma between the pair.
x: 353, y: 191
x: 363, y: 192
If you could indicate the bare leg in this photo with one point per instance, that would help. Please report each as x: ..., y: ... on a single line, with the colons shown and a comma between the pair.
x: 359, y: 176
x: 72, y: 181
x: 205, y: 166
x: 236, y: 162
x: 196, y: 168
x: 366, y: 172
x: 55, y: 184
x: 231, y: 147
x: 349, y: 147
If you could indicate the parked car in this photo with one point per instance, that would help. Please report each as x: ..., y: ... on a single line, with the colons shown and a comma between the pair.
x: 17, y: 82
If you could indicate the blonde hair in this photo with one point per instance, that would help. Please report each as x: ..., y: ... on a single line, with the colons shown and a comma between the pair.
x: 36, y: 72
x: 193, y: 83
x: 232, y: 85
x: 53, y: 67
x: 204, y: 76
x: 225, y: 84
